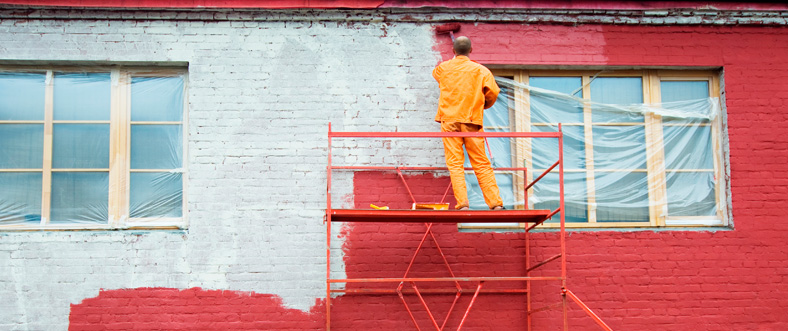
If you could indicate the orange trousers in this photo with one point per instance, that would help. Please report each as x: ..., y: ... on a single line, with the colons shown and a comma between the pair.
x: 455, y: 158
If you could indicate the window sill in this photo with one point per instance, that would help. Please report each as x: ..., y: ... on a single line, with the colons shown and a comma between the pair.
x: 677, y: 224
x: 133, y: 224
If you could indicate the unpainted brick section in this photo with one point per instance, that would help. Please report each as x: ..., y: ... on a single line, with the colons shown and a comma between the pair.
x: 261, y: 95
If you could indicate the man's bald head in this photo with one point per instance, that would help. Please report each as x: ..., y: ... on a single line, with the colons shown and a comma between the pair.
x: 462, y: 46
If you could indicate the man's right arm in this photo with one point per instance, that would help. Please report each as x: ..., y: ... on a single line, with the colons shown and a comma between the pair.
x: 490, y: 90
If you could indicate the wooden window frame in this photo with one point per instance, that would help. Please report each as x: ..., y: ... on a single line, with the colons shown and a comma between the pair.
x: 655, y: 156
x: 119, y: 148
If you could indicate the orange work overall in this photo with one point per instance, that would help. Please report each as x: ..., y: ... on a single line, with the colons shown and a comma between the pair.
x: 467, y: 88
x: 455, y: 158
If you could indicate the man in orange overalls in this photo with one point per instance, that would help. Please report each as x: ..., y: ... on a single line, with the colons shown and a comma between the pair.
x: 467, y: 89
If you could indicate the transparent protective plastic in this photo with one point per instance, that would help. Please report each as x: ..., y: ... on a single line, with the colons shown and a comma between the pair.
x: 156, y: 181
x: 77, y: 169
x: 612, y: 179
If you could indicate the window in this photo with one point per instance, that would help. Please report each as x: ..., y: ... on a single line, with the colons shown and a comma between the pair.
x: 641, y: 148
x: 93, y: 148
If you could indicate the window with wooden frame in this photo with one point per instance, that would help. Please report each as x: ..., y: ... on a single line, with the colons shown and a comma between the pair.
x: 92, y: 148
x: 642, y: 148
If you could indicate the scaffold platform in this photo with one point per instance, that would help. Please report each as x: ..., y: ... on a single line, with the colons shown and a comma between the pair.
x: 440, y: 216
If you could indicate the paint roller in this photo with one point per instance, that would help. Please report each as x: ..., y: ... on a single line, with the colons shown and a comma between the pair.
x: 449, y: 28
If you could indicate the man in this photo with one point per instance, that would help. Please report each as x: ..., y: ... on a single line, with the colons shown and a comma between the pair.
x: 467, y: 89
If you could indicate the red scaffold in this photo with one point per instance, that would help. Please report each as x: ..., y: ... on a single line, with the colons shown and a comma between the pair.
x: 530, y: 217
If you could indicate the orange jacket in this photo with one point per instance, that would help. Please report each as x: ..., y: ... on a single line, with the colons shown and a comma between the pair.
x: 467, y: 89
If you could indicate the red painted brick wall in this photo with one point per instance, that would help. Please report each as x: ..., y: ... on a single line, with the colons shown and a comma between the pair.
x: 635, y: 280
x: 189, y: 309
x: 648, y: 280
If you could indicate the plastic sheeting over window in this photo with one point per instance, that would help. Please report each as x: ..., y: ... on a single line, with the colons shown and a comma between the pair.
x: 69, y: 182
x: 622, y: 156
x: 22, y: 98
x: 156, y: 147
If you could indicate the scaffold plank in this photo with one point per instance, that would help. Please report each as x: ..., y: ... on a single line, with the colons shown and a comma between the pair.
x: 438, y: 216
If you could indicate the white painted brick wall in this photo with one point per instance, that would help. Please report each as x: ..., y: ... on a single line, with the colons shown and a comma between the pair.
x: 261, y: 95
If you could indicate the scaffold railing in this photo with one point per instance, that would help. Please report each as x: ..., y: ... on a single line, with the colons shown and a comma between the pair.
x: 530, y: 217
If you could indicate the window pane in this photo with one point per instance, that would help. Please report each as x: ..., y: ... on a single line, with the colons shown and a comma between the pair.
x: 498, y: 114
x: 548, y: 109
x: 20, y: 197
x: 691, y: 194
x: 80, y: 197
x: 80, y: 146
x: 545, y: 196
x: 619, y: 147
x: 156, y: 146
x: 499, y: 152
x: 21, y: 146
x: 22, y: 96
x: 156, y: 195
x: 683, y: 90
x: 82, y: 96
x: 565, y: 85
x: 475, y: 197
x: 621, y: 196
x: 545, y: 150
x: 157, y: 99
x: 688, y: 147
x: 616, y: 91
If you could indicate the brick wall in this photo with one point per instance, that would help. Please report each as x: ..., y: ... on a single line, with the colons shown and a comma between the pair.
x: 261, y: 94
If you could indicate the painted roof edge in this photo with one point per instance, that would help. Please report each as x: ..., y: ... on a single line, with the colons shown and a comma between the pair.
x: 372, y: 4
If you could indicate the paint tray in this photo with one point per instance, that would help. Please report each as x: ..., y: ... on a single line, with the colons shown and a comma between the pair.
x: 433, y: 206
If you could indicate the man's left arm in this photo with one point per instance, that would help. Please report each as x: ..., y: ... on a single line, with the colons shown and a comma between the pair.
x: 437, y: 72
x: 490, y: 89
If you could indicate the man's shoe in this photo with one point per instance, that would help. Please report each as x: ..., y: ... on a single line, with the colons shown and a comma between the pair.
x: 464, y: 208
x: 498, y: 208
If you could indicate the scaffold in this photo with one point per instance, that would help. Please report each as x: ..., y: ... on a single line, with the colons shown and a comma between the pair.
x: 531, y: 218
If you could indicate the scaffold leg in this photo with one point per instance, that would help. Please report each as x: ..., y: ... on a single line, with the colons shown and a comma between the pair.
x: 565, y: 312
x: 527, y: 273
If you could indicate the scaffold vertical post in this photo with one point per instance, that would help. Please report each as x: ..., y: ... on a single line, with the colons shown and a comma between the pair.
x: 328, y: 234
x: 563, y: 219
x: 527, y: 257
x: 525, y: 190
x: 528, y: 282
